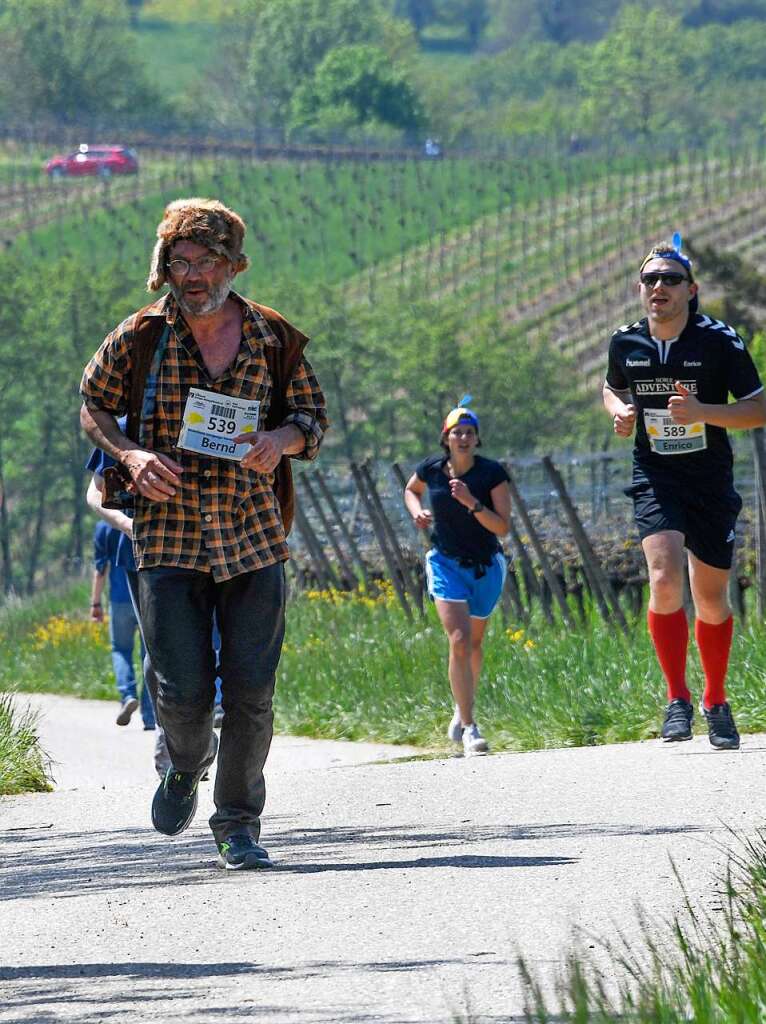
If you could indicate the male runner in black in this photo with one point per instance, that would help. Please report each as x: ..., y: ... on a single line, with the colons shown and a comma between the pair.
x: 669, y: 377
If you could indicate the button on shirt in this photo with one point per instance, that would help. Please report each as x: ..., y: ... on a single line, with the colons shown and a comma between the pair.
x: 223, y: 519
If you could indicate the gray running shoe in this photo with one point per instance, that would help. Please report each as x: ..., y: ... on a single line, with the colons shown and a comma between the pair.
x: 678, y: 721
x: 473, y: 741
x: 721, y: 729
x: 455, y: 728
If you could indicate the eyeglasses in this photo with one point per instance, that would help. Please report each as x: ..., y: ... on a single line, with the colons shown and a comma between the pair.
x: 180, y: 268
x: 669, y: 278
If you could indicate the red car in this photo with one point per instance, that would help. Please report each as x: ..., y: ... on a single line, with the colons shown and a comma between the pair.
x: 100, y: 160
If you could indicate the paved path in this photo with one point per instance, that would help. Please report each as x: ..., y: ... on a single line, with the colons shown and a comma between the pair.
x: 403, y: 894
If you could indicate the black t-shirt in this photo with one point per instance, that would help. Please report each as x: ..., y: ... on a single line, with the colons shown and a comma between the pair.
x: 710, y: 359
x: 457, y: 532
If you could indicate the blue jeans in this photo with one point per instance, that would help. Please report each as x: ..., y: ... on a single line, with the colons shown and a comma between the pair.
x: 177, y: 608
x: 122, y: 634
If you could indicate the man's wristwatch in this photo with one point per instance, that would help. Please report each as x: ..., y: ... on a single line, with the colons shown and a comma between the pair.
x: 478, y: 507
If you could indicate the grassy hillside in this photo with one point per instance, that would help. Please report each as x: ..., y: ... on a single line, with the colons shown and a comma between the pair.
x: 550, y: 249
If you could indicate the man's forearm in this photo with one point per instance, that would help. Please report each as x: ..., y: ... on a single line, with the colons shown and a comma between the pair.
x: 742, y: 415
x: 101, y: 427
x: 97, y: 586
x: 615, y: 401
x: 291, y: 437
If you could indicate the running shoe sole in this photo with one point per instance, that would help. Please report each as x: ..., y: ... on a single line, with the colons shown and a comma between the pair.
x: 158, y: 813
x: 252, y: 862
x: 126, y: 711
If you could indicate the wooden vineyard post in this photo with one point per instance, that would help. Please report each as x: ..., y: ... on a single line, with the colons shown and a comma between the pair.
x: 599, y: 582
x: 380, y: 536
x: 545, y: 565
x: 324, y: 570
x: 341, y: 522
x: 348, y: 575
x: 413, y: 589
x: 527, y: 569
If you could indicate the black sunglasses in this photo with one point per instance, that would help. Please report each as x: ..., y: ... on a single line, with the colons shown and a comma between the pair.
x: 669, y: 278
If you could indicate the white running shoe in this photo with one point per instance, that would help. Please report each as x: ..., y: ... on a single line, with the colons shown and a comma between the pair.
x: 473, y: 741
x: 455, y: 728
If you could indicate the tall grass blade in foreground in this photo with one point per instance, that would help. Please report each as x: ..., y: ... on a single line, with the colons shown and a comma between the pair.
x: 22, y: 762
x: 707, y: 966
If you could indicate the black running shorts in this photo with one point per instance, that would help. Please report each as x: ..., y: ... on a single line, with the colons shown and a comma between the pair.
x: 707, y: 520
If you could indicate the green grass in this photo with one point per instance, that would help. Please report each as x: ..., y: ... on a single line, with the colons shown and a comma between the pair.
x: 22, y: 762
x: 710, y: 969
x: 48, y: 645
x: 354, y: 671
x: 355, y: 668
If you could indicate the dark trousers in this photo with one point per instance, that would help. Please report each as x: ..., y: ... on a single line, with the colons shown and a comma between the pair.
x: 177, y: 617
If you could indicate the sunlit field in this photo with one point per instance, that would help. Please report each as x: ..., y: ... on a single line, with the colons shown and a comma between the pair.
x: 354, y: 667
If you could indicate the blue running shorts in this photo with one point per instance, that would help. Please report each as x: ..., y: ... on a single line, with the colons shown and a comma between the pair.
x: 449, y: 581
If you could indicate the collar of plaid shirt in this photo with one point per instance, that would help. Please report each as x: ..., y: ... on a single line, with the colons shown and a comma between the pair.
x: 254, y: 326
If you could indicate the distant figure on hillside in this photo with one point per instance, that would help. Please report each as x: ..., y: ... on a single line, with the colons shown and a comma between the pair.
x: 669, y: 377
x: 123, y: 625
x: 465, y: 569
x: 218, y: 395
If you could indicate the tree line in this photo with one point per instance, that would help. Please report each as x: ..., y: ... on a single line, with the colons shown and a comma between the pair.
x: 331, y: 69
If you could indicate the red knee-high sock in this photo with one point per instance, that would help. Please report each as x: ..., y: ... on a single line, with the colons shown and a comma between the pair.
x: 714, y: 643
x: 670, y: 636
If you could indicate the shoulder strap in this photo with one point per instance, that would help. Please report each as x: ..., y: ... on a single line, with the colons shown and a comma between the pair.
x: 282, y: 361
x: 147, y: 332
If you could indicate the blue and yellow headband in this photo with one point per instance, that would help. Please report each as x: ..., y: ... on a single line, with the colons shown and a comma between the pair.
x: 460, y: 414
x: 673, y: 253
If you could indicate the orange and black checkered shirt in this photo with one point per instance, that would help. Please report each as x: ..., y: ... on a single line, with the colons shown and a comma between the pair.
x: 224, y: 519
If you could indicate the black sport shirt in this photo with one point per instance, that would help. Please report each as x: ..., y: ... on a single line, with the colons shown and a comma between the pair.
x: 457, y: 532
x: 710, y: 359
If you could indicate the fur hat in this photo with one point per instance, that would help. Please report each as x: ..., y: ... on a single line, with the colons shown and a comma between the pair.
x: 203, y: 221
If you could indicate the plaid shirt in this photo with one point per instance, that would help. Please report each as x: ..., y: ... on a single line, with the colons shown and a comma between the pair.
x: 224, y: 519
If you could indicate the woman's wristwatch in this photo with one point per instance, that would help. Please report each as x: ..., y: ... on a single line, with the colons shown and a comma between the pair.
x: 478, y: 507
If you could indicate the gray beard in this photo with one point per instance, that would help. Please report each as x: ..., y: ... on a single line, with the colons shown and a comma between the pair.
x: 216, y: 297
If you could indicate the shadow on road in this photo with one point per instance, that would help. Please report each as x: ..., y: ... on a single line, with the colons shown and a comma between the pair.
x: 71, y: 864
x: 110, y: 991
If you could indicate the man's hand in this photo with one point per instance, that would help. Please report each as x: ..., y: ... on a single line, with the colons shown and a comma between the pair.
x: 625, y: 420
x: 684, y: 407
x: 155, y: 476
x: 461, y: 493
x: 96, y: 613
x: 423, y: 519
x: 266, y: 449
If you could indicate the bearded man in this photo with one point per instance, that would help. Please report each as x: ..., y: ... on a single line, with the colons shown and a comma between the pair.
x: 218, y: 395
